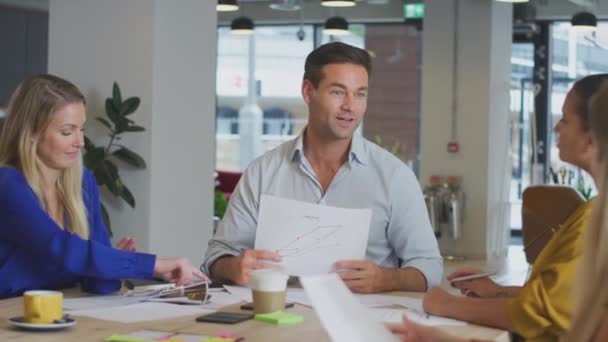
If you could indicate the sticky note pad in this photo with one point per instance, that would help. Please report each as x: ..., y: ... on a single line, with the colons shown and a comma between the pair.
x: 126, y: 338
x: 279, y: 317
x: 218, y: 339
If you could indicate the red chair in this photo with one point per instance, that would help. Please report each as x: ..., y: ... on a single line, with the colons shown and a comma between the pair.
x: 228, y: 181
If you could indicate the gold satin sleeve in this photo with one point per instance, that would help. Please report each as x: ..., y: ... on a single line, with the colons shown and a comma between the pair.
x: 543, y: 309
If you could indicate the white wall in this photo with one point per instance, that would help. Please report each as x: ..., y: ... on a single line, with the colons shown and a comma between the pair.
x: 163, y: 52
x: 93, y: 44
x: 183, y: 139
x: 483, y: 73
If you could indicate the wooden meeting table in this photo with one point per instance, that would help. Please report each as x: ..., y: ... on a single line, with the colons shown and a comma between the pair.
x: 89, y: 329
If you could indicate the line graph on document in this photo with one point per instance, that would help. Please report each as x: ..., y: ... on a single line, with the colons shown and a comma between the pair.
x: 314, y: 237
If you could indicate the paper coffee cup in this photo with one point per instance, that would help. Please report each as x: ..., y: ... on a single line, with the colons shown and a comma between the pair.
x: 269, y: 290
x: 42, y: 307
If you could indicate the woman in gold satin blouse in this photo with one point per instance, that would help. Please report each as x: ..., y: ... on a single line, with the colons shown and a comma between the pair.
x: 541, y: 310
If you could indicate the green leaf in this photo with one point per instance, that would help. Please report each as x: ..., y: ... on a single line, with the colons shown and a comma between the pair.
x: 112, y: 111
x: 128, y: 196
x: 104, y: 122
x: 94, y: 157
x: 106, y: 219
x: 116, y: 177
x: 134, y: 128
x: 104, y: 178
x: 129, y: 106
x: 113, y: 170
x: 130, y: 157
x: 88, y: 144
x: 121, y: 125
x: 116, y: 96
x: 220, y: 204
x: 107, y: 172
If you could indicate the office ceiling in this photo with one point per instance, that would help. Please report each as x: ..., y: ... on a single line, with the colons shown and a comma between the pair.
x: 377, y: 10
x: 41, y: 5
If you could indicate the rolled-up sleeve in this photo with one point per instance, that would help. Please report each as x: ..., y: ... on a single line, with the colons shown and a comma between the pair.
x: 409, y: 229
x: 543, y: 306
x: 236, y: 231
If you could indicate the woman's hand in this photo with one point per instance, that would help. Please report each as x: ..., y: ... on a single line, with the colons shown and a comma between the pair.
x: 436, y: 300
x: 479, y: 287
x: 178, y: 270
x: 127, y: 244
x: 409, y: 331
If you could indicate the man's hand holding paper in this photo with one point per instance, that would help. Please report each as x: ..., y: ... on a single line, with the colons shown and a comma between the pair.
x: 310, y: 238
x: 253, y: 259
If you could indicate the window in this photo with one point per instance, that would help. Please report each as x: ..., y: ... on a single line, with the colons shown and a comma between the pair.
x: 521, y: 110
x: 574, y: 55
x: 279, y: 65
x: 392, y: 115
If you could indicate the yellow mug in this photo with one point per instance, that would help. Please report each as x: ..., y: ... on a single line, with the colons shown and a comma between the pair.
x: 42, y: 307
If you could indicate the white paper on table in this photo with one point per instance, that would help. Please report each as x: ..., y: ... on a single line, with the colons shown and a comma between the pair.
x: 175, y: 300
x: 220, y: 299
x: 98, y: 302
x: 420, y: 317
x: 140, y: 312
x: 298, y: 296
x: 311, y: 237
x: 242, y: 292
x: 376, y: 300
x: 341, y: 314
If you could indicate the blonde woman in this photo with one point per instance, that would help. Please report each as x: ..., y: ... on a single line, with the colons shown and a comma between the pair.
x: 541, y: 310
x: 51, y: 229
x: 590, y: 322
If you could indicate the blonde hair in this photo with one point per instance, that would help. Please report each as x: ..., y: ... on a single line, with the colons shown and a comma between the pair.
x: 591, y: 292
x: 28, y: 115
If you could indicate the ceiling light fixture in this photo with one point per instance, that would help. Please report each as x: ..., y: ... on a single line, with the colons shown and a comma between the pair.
x: 513, y: 1
x: 338, y: 3
x: 285, y: 5
x: 584, y: 21
x: 226, y: 6
x: 336, y: 26
x: 241, y: 25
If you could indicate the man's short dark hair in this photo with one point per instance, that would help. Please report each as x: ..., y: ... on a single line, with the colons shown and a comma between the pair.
x: 334, y: 53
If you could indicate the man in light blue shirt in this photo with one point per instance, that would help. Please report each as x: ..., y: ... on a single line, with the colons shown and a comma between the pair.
x: 330, y: 164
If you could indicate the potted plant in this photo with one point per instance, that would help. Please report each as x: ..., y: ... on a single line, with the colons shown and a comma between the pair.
x: 102, y: 160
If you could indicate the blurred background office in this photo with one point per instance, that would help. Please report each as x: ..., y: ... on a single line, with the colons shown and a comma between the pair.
x: 484, y: 77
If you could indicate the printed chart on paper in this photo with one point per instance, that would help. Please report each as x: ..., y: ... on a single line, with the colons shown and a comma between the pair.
x: 311, y: 237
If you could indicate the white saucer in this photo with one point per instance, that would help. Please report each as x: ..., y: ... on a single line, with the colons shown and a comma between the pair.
x: 19, y: 322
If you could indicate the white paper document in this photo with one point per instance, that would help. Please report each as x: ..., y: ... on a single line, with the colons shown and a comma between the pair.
x: 311, y: 237
x: 152, y: 335
x: 220, y: 299
x: 377, y: 300
x: 341, y: 314
x: 242, y: 292
x: 141, y: 312
x: 420, y: 317
x: 99, y: 302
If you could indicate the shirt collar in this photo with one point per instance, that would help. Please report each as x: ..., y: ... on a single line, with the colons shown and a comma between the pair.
x: 356, y: 153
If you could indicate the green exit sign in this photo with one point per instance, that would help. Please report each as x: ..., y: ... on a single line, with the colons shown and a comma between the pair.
x: 413, y: 11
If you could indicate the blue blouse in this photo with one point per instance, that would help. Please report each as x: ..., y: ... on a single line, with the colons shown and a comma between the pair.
x: 35, y: 253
